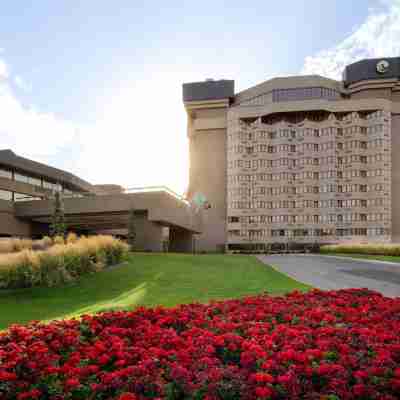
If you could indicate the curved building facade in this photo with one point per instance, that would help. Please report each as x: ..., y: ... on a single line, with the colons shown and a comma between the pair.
x: 301, y: 159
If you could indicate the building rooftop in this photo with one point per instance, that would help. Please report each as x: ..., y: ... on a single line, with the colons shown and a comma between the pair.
x: 9, y: 159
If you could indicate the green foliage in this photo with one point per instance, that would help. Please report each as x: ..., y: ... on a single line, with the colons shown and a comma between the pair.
x: 131, y: 229
x: 383, y: 249
x: 58, y: 226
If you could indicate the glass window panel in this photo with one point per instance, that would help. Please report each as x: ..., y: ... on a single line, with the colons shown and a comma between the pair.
x: 5, y: 174
x: 21, y: 178
x: 5, y: 195
x: 24, y: 197
x: 35, y: 181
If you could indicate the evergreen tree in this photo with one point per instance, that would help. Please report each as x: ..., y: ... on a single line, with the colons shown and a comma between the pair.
x: 58, y: 225
x: 131, y: 228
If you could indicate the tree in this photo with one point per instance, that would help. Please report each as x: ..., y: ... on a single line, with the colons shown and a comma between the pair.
x: 58, y: 226
x: 131, y: 228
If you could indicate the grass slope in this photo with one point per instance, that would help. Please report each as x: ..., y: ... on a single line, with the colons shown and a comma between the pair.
x: 147, y: 279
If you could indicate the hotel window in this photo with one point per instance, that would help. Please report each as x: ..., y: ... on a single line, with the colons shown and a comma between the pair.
x: 5, y: 195
x: 272, y: 135
x: 21, y: 178
x: 34, y: 181
x: 24, y: 197
x: 5, y: 174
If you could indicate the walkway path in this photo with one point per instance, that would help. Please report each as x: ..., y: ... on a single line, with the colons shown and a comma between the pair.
x: 328, y: 272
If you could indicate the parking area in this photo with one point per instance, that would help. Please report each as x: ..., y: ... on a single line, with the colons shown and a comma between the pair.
x: 330, y: 272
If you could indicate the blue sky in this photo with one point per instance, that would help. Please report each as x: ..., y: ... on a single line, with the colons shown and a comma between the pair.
x: 95, y: 86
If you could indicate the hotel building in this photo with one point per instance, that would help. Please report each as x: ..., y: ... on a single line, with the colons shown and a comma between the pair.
x: 301, y: 159
x: 26, y: 206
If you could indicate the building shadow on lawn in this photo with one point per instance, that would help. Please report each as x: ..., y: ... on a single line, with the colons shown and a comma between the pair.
x: 127, y: 299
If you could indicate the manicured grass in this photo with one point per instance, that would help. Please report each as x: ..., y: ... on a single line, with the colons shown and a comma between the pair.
x: 147, y: 279
x: 395, y: 259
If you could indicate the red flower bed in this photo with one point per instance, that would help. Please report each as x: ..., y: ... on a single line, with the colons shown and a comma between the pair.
x: 320, y: 345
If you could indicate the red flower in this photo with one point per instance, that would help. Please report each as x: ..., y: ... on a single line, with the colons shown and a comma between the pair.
x: 345, y: 342
x: 264, y: 392
x: 262, y: 377
x: 72, y: 383
x: 127, y: 396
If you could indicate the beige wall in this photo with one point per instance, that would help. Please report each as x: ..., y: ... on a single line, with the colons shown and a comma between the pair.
x: 207, y: 147
x: 395, y: 178
x: 148, y: 234
x: 9, y: 225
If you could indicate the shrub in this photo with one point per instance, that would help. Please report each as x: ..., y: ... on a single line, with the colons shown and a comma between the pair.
x: 60, y: 263
x: 72, y: 237
x: 58, y: 240
x: 384, y: 249
x: 14, y: 244
x: 319, y: 345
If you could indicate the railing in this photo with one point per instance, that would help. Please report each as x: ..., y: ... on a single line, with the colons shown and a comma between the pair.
x: 147, y: 189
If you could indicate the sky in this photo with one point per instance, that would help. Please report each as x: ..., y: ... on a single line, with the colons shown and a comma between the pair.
x: 95, y: 86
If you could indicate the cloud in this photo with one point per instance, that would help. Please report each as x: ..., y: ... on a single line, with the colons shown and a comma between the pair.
x: 22, y: 84
x: 137, y: 140
x: 378, y: 36
x: 29, y: 131
x: 3, y: 71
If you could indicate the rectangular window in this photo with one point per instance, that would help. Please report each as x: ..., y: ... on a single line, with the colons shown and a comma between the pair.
x: 5, y: 195
x: 5, y: 174
x: 21, y: 178
x: 24, y: 197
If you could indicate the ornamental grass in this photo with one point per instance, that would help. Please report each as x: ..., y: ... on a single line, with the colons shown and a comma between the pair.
x: 61, y: 263
x: 336, y: 345
x: 384, y: 249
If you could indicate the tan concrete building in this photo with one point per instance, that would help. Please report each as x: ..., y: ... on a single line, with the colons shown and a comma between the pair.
x: 26, y: 206
x: 302, y: 159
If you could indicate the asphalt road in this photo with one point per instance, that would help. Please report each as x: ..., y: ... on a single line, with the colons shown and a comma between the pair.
x: 328, y: 272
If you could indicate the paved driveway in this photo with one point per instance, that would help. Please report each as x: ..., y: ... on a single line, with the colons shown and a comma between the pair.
x: 327, y: 272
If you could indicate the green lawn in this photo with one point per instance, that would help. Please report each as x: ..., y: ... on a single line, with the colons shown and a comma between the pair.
x: 147, y: 279
x: 366, y: 256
